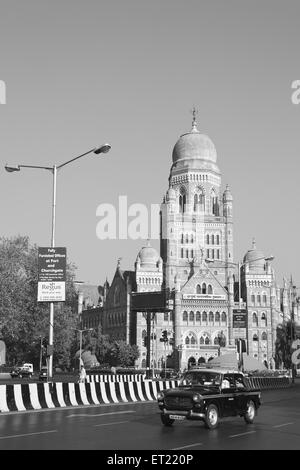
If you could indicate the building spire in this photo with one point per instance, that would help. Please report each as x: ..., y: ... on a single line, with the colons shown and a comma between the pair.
x: 253, y: 243
x: 194, y: 123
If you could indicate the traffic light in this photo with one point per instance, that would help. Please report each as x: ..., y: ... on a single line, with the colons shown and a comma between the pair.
x: 44, y: 343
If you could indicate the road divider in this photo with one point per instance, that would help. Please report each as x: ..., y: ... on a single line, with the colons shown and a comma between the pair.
x: 115, y: 378
x: 36, y: 396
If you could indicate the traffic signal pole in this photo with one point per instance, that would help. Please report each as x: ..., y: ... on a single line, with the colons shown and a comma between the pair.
x: 148, y: 343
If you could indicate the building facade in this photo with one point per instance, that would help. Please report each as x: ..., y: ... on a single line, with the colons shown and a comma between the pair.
x: 196, y: 267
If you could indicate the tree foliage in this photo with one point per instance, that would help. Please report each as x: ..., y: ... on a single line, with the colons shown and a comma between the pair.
x: 24, y: 320
x: 286, y: 333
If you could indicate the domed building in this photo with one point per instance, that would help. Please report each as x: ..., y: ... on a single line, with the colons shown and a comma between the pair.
x: 214, y: 302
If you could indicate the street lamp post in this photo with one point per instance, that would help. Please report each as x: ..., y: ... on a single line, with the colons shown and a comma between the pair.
x: 102, y: 149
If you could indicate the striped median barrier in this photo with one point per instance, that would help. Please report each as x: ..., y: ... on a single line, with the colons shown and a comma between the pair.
x: 114, y: 378
x: 268, y: 383
x: 36, y: 396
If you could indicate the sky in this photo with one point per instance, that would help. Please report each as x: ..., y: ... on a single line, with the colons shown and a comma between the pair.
x: 128, y: 72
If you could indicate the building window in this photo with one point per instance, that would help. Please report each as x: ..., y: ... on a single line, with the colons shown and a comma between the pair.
x: 203, y: 288
x: 201, y: 340
x: 218, y: 240
x: 186, y: 238
x: 253, y: 299
x: 263, y: 319
x: 182, y: 201
x: 192, y: 317
x: 223, y: 317
x: 204, y: 317
x: 166, y: 316
x: 185, y: 316
x: 211, y: 318
x: 258, y: 299
x: 254, y: 319
x: 217, y: 317
x: 186, y: 253
x: 264, y: 299
x: 209, y: 289
x: 207, y: 254
x: 255, y: 337
x: 198, y: 317
x: 192, y: 253
x: 198, y: 289
x: 264, y: 336
x: 182, y: 253
x: 207, y: 239
x: 213, y: 254
x: 218, y: 254
x: 207, y: 341
x: 182, y: 238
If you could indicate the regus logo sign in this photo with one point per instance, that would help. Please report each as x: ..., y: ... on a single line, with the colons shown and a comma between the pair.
x: 2, y: 92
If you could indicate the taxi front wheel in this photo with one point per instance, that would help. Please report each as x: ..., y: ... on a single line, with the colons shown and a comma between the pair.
x: 212, y: 417
x: 166, y: 420
x: 250, y: 413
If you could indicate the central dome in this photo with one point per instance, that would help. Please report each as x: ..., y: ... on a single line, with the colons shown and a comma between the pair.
x: 194, y: 145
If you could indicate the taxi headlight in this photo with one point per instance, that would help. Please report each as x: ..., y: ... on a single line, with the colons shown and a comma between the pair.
x: 196, y: 398
x: 160, y: 396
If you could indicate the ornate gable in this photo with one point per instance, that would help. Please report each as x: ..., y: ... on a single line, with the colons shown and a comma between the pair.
x: 204, y: 282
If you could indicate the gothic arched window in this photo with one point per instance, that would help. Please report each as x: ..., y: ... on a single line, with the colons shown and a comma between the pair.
x: 264, y: 336
x: 192, y: 316
x: 254, y: 319
x: 198, y: 289
x: 263, y: 319
x: 184, y: 316
x: 209, y: 289
x: 203, y: 288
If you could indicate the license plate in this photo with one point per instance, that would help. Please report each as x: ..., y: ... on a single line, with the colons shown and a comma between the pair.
x: 179, y: 417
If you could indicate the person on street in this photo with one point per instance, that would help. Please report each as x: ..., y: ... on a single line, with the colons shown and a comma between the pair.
x: 82, y: 375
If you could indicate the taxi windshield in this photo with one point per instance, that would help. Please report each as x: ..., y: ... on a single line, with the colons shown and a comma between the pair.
x: 204, y: 377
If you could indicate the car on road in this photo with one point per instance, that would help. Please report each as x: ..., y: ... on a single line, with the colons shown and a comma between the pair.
x: 26, y: 370
x: 209, y: 395
x: 43, y: 375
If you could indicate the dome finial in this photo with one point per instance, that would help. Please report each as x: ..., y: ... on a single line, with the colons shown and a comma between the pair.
x: 194, y: 123
x: 253, y: 244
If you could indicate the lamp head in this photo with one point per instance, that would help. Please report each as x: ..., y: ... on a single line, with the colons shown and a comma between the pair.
x: 103, y: 149
x: 10, y: 169
x: 269, y: 258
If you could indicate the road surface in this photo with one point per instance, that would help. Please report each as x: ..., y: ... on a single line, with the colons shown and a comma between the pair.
x: 137, y: 426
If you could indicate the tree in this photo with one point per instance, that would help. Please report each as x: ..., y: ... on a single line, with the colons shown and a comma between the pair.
x: 285, y: 337
x: 122, y: 354
x: 24, y: 320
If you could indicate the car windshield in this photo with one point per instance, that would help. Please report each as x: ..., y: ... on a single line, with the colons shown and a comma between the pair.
x: 204, y: 377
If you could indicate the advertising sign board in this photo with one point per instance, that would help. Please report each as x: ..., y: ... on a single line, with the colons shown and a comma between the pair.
x: 52, y: 274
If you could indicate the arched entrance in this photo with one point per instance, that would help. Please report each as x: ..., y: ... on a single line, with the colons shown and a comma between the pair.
x: 201, y: 360
x: 191, y: 362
